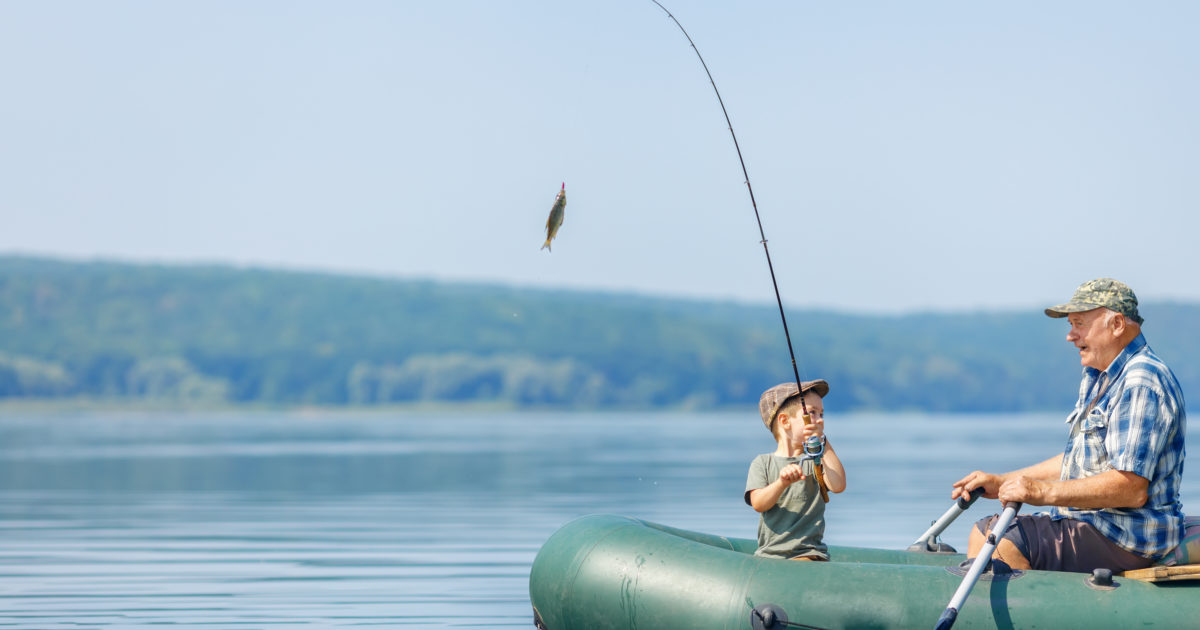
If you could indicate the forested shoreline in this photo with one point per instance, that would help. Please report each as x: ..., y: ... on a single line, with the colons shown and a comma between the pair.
x: 214, y: 335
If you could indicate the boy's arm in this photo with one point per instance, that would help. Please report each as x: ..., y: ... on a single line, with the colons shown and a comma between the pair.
x: 835, y: 474
x: 765, y: 498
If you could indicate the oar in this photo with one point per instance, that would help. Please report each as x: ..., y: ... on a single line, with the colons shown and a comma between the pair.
x: 981, y: 561
x: 924, y: 542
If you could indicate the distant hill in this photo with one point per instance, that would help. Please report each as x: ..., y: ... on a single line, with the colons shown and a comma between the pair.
x: 211, y: 334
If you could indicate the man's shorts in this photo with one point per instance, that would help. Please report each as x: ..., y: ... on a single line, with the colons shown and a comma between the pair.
x: 1064, y: 545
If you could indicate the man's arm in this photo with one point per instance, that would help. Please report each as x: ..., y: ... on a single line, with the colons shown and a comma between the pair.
x: 1047, y: 470
x: 1109, y: 489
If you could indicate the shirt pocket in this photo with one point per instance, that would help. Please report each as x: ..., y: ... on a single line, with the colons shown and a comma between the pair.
x: 1092, y: 456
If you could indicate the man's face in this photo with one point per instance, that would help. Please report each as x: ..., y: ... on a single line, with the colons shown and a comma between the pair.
x: 1094, y: 335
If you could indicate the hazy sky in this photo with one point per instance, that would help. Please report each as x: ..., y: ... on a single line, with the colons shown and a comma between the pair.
x: 904, y: 155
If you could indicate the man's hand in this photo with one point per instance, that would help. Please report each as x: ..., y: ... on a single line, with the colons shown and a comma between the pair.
x: 978, y: 479
x: 1023, y: 490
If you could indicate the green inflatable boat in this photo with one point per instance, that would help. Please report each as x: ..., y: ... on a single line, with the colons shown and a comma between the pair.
x: 615, y: 572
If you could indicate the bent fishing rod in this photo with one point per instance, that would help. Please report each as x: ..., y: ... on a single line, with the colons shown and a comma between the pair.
x: 816, y: 448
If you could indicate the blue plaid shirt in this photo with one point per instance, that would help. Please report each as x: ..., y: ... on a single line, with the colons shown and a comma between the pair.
x: 1131, y: 417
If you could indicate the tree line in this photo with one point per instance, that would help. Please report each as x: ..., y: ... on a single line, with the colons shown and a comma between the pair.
x: 226, y: 335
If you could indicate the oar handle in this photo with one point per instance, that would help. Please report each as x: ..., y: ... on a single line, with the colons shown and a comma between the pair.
x: 965, y: 502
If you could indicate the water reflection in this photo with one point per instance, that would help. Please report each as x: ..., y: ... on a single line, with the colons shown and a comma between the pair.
x: 242, y: 520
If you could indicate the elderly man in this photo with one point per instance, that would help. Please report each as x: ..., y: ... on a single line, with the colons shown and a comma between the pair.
x: 1115, y: 489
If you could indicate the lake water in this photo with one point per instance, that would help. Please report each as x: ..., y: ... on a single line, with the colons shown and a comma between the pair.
x: 338, y: 519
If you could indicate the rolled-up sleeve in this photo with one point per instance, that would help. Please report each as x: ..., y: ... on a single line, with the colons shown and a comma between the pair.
x: 1138, y: 430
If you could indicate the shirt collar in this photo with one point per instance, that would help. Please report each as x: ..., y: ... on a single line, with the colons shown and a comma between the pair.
x: 1094, y: 386
x: 1118, y: 364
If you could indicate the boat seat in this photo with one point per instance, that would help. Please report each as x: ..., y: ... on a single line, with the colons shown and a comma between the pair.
x: 1165, y: 574
x: 1181, y: 564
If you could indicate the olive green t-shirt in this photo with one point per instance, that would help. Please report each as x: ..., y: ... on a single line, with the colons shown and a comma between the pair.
x: 795, y: 526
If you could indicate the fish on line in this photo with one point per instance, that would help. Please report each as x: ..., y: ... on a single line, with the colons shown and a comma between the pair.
x: 555, y: 220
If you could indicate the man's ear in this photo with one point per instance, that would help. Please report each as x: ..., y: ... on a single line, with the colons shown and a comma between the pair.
x: 1116, y: 324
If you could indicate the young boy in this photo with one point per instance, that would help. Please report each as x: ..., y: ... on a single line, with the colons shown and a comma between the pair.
x: 782, y: 486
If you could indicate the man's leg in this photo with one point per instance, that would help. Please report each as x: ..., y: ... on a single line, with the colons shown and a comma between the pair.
x: 1008, y: 553
x: 1005, y: 551
x: 975, y: 542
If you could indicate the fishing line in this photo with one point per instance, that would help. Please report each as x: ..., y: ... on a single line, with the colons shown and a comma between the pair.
x: 762, y: 234
x: 813, y: 448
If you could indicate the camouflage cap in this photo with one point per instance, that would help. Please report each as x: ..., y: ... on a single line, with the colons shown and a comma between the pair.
x: 773, y: 399
x: 1100, y: 293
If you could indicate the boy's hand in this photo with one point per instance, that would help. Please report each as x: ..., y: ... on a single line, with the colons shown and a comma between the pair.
x: 791, y: 474
x: 816, y: 427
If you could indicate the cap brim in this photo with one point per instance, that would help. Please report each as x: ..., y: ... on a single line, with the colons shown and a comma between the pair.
x: 818, y: 386
x: 1063, y: 310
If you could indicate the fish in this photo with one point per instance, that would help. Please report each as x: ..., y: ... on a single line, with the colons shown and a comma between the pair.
x: 555, y: 220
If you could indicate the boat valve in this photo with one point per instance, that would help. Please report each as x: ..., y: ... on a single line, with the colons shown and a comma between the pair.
x: 768, y: 616
x: 1102, y: 580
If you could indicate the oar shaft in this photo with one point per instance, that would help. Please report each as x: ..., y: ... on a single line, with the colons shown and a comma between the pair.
x: 942, y: 523
x: 981, y: 561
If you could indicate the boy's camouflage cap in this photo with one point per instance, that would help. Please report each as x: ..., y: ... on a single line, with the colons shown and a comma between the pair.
x: 1100, y: 293
x: 774, y: 398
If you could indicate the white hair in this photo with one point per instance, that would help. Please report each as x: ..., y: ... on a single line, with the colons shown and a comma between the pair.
x: 1129, y: 321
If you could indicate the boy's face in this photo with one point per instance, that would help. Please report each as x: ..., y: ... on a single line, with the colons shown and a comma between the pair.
x: 795, y: 426
x: 816, y: 406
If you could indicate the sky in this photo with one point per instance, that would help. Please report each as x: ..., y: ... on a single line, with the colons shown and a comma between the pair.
x: 904, y: 157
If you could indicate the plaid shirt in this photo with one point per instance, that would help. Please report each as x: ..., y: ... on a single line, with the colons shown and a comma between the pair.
x: 1131, y: 417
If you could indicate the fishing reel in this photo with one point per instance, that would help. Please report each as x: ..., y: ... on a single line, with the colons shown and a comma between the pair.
x: 814, y: 446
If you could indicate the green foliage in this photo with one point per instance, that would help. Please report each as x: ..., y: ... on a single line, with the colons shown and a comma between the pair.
x: 212, y: 334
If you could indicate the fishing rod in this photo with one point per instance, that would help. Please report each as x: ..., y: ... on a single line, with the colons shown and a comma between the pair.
x: 812, y: 447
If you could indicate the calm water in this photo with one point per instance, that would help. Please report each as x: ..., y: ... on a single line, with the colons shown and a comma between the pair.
x: 263, y: 520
